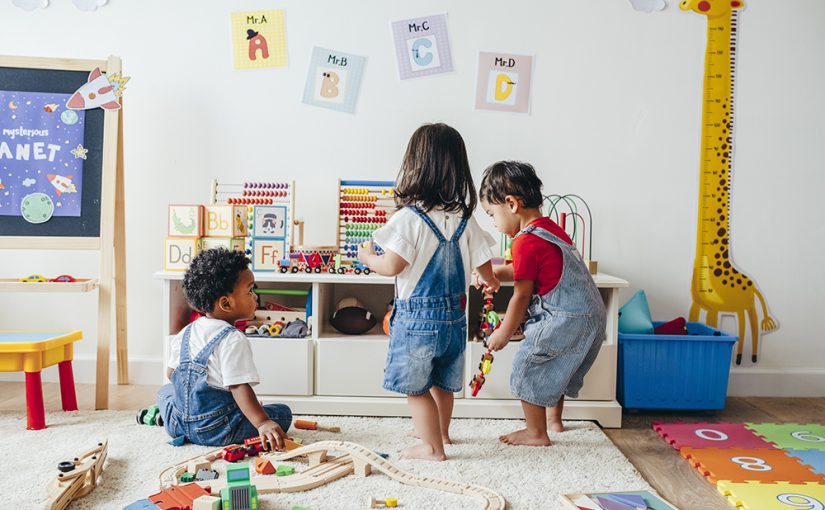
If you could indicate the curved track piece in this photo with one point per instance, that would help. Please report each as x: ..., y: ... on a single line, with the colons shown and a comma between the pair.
x: 80, y: 481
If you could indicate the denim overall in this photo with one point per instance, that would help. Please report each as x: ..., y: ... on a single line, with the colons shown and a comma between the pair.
x: 563, y: 334
x: 204, y: 414
x: 428, y: 330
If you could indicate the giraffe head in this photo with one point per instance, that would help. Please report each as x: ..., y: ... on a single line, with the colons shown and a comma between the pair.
x: 711, y: 8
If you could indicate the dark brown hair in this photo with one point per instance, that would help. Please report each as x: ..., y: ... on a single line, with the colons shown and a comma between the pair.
x: 435, y: 172
x: 511, y: 178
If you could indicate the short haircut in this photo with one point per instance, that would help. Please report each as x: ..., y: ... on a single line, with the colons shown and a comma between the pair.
x: 436, y: 172
x: 212, y: 274
x: 511, y: 178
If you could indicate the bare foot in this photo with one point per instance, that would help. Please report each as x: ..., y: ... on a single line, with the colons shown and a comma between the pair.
x: 445, y: 438
x: 555, y: 426
x: 421, y: 451
x: 525, y: 437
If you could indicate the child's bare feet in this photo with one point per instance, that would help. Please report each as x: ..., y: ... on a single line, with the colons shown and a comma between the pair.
x: 421, y: 451
x: 445, y: 438
x: 525, y: 437
x: 555, y: 426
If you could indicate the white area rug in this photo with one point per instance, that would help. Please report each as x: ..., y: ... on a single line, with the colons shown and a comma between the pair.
x: 582, y: 459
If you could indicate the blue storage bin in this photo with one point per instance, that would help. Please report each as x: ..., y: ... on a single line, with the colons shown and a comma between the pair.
x: 675, y: 371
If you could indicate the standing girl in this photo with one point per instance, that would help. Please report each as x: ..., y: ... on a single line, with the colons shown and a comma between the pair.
x: 431, y: 244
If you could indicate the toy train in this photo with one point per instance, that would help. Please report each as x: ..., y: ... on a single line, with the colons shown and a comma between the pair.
x: 319, y: 260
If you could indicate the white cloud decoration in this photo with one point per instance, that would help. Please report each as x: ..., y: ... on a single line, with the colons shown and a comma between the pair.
x: 30, y: 5
x: 28, y: 182
x: 89, y: 5
x: 648, y: 5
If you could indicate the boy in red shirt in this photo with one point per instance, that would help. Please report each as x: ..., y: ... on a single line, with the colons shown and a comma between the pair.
x: 566, y: 315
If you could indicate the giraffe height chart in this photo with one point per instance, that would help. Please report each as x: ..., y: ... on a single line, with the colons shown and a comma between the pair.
x: 718, y: 287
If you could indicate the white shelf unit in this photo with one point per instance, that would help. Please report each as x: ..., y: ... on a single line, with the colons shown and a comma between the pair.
x: 329, y: 373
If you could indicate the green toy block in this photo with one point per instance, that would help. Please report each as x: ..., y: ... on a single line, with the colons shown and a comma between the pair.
x: 187, y: 477
x: 284, y: 470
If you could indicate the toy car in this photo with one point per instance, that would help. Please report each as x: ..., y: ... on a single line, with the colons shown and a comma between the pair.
x: 477, y: 383
x: 63, y: 278
x: 33, y: 278
x: 234, y: 453
x: 149, y: 416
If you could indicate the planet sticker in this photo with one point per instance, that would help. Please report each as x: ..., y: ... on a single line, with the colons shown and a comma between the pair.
x: 37, y: 208
x: 69, y: 117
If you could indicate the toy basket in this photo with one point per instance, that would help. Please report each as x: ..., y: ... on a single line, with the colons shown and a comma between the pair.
x: 675, y: 371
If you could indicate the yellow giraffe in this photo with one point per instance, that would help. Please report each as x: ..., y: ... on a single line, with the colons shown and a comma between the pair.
x: 718, y: 287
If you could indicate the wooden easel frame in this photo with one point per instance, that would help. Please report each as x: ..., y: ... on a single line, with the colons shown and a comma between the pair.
x: 112, y: 242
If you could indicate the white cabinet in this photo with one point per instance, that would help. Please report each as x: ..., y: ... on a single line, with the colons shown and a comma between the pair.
x: 333, y: 373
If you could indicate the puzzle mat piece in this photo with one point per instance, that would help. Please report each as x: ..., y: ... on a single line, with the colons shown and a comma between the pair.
x: 791, y: 436
x: 709, y: 435
x: 813, y: 458
x: 653, y: 501
x: 775, y: 496
x: 745, y: 465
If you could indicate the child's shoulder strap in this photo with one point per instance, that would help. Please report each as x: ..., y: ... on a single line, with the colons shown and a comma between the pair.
x: 424, y: 216
x: 203, y: 356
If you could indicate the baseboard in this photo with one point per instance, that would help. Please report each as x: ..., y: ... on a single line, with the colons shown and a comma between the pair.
x: 142, y: 370
x: 776, y: 382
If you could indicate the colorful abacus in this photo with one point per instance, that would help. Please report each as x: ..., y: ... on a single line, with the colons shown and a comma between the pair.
x: 363, y: 208
x: 253, y: 193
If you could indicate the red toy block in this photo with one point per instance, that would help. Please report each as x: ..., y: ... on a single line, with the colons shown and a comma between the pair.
x: 709, y: 435
x: 740, y: 465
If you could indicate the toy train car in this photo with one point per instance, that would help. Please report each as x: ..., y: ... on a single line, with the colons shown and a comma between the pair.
x: 325, y: 259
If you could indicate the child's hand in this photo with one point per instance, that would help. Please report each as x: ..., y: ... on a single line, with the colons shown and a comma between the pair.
x: 497, y: 341
x: 365, y: 252
x: 492, y: 285
x: 272, y: 435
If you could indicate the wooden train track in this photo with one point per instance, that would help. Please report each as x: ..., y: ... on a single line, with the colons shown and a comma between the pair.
x: 324, y: 468
x: 79, y: 481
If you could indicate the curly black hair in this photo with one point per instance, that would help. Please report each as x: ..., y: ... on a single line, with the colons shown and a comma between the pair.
x: 212, y: 274
x: 514, y: 178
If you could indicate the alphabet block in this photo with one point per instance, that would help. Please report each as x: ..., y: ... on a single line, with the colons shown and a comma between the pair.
x: 225, y: 221
x: 207, y: 503
x: 266, y: 253
x: 179, y: 252
x: 185, y: 220
x: 230, y: 243
x: 269, y: 222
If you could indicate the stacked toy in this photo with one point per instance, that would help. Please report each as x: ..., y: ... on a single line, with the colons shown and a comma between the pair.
x: 194, y: 227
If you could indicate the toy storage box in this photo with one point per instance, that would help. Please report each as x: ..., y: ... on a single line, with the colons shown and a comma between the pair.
x: 675, y: 371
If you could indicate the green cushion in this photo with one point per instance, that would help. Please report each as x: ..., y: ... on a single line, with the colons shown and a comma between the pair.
x: 634, y: 316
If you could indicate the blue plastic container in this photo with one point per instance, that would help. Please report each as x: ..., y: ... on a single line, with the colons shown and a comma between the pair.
x: 675, y: 371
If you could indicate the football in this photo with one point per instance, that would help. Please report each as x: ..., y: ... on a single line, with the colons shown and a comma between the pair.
x: 352, y: 320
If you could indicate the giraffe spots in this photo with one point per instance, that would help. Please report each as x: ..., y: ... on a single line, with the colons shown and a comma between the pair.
x: 750, y: 283
x: 719, y: 211
x: 739, y: 281
x: 717, y: 272
x: 721, y: 232
x: 721, y: 182
x: 724, y: 282
x: 724, y: 241
x: 703, y: 6
x: 716, y: 255
x: 727, y: 273
x: 722, y: 217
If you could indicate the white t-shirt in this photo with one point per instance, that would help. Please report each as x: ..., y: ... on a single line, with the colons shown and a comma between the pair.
x: 407, y: 235
x: 231, y: 361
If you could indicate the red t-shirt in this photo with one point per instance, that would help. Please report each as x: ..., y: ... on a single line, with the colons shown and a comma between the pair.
x: 538, y: 260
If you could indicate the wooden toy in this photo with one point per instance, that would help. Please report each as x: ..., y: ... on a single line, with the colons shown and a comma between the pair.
x: 150, y: 416
x: 185, y: 220
x: 324, y: 468
x: 198, y: 465
x: 269, y: 222
x: 225, y: 221
x: 179, y: 252
x: 264, y: 467
x: 363, y: 207
x: 239, y: 494
x: 229, y: 243
x: 284, y: 470
x: 207, y: 503
x: 388, y: 502
x: 179, y: 496
x: 314, y: 425
x: 251, y: 194
x: 266, y: 254
x: 187, y: 477
x: 206, y: 474
x: 77, y: 477
x: 30, y: 352
x: 490, y: 321
x: 33, y: 278
x: 564, y: 209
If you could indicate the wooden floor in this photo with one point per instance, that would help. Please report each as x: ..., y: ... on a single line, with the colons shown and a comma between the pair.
x: 660, y: 464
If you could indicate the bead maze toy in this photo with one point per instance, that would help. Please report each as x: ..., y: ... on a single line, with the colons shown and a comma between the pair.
x: 324, y: 468
x: 77, y: 477
x: 490, y: 321
x: 363, y: 207
x: 756, y: 465
x: 564, y: 208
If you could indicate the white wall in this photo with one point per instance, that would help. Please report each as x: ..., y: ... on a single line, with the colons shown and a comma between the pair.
x: 615, y: 117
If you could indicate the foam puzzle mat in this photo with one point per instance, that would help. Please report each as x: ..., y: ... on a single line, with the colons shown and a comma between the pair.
x: 762, y: 466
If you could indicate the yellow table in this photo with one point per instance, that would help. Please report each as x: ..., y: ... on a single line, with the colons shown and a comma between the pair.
x: 30, y: 352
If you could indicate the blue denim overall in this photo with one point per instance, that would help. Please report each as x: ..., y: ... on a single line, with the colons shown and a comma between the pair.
x: 204, y: 414
x: 428, y: 330
x: 563, y: 334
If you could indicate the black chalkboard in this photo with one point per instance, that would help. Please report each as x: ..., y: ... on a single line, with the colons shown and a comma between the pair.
x: 88, y: 223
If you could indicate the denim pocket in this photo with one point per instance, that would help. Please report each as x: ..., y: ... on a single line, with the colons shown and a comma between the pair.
x: 421, y: 343
x: 213, y: 432
x: 560, y: 334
